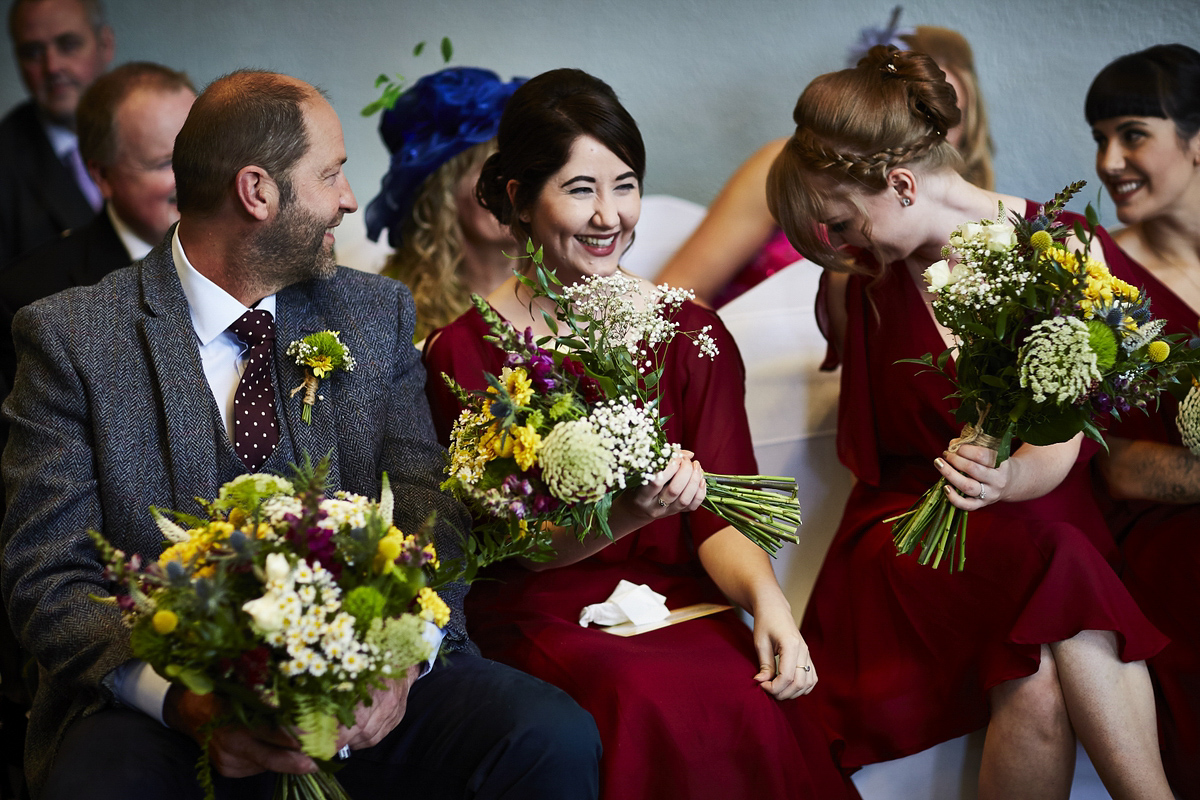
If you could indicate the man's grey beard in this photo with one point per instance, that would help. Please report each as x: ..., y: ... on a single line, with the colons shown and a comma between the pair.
x: 290, y: 250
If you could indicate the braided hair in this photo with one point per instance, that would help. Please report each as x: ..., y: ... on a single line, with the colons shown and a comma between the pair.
x: 853, y: 128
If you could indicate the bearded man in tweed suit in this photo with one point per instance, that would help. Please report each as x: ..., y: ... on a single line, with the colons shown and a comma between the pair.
x: 124, y: 399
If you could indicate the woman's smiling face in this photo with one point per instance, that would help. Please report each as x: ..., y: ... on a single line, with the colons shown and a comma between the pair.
x: 586, y: 212
x: 1144, y: 164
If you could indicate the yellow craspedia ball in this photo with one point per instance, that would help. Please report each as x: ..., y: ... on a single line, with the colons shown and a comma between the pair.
x: 1041, y: 240
x: 1158, y: 351
x: 389, y: 548
x: 164, y: 621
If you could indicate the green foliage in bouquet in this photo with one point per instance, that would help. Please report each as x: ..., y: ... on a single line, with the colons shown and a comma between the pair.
x: 291, y: 605
x: 1050, y: 343
x: 573, y: 420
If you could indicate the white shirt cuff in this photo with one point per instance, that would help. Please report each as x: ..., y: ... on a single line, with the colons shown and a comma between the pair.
x: 434, y: 635
x: 138, y: 686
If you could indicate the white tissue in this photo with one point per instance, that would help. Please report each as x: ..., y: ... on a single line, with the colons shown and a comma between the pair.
x: 629, y: 602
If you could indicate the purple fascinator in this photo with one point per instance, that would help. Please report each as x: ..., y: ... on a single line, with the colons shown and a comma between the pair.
x: 440, y: 116
x: 869, y: 37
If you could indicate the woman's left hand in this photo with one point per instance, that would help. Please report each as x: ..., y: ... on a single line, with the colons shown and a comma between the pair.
x: 786, y: 670
x: 972, y: 481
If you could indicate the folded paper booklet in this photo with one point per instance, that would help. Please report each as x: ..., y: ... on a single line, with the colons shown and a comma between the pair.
x: 673, y: 618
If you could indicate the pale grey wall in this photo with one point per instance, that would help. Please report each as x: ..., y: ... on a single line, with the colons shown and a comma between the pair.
x: 707, y: 80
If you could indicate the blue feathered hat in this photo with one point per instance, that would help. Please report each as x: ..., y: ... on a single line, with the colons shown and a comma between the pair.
x: 442, y: 115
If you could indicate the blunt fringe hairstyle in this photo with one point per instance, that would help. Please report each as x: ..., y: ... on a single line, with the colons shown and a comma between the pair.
x: 1160, y: 81
x: 95, y: 118
x: 246, y: 117
x: 852, y: 128
x: 541, y: 122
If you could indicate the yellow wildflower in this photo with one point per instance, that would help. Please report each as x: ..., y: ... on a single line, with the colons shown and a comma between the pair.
x: 1041, y: 241
x: 525, y: 449
x: 321, y: 365
x: 496, y: 441
x: 1158, y: 351
x: 433, y: 608
x: 519, y: 387
x: 432, y: 553
x: 164, y: 621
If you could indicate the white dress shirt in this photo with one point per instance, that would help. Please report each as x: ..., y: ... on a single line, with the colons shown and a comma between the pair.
x: 134, y: 245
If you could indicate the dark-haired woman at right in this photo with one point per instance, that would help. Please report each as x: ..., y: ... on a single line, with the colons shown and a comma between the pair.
x: 1144, y: 111
x: 1037, y: 638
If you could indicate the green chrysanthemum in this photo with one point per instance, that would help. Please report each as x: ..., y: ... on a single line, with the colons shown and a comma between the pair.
x: 364, y: 603
x: 1103, y: 342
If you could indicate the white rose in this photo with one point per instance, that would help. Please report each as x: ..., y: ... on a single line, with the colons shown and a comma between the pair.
x: 266, y: 611
x: 278, y: 568
x: 939, y: 275
x: 999, y: 237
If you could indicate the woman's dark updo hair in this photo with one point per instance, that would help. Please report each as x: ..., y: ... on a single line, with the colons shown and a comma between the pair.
x: 1160, y: 81
x: 540, y: 124
x: 853, y: 128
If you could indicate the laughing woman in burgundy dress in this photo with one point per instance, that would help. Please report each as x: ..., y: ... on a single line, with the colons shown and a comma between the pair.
x: 706, y: 708
x: 1037, y: 638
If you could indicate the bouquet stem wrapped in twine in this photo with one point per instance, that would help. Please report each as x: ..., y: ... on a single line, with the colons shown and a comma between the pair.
x: 934, y: 524
x: 310, y: 385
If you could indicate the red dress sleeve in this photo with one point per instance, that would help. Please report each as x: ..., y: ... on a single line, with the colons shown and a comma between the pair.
x: 705, y: 402
x: 457, y: 350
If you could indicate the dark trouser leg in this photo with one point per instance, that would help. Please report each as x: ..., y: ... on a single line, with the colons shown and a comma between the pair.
x: 121, y: 754
x: 473, y: 729
x: 478, y: 729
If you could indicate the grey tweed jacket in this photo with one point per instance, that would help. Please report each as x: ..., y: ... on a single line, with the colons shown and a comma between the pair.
x: 111, y: 414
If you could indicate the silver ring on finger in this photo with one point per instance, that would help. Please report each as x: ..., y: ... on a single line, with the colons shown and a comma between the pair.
x: 982, y: 492
x: 807, y: 668
x: 661, y: 504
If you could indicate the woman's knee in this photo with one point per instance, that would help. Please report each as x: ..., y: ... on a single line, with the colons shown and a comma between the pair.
x: 1036, y: 701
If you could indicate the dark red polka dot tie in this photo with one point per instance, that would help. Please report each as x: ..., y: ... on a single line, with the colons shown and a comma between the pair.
x: 255, y: 429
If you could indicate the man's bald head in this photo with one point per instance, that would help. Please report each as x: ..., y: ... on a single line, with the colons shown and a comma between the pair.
x: 245, y: 118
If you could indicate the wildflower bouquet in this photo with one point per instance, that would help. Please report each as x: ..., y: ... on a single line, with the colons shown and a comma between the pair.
x: 1049, y: 342
x: 573, y: 419
x: 290, y: 605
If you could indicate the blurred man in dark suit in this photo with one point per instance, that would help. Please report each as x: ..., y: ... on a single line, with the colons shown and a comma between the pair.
x: 61, y: 47
x: 127, y: 122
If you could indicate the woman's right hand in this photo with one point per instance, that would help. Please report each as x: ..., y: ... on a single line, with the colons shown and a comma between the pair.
x: 678, y: 488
